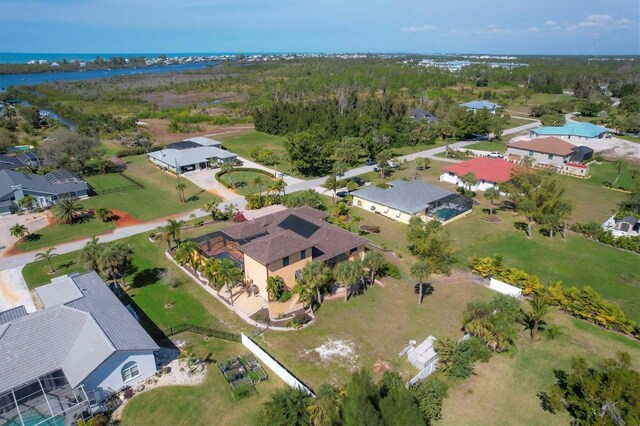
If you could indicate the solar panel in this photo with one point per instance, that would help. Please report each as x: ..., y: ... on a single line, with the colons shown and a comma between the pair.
x: 298, y: 225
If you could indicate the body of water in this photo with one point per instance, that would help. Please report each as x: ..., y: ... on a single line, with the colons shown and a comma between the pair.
x: 7, y: 80
x: 23, y: 58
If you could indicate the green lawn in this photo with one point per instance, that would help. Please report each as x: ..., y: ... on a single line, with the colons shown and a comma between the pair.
x: 60, y: 233
x: 607, y: 171
x: 515, y: 122
x: 628, y: 138
x: 243, y: 182
x: 242, y: 145
x: 544, y: 98
x: 209, y: 403
x: 109, y: 182
x: 159, y: 198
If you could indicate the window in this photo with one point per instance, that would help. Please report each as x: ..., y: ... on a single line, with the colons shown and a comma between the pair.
x: 386, y: 210
x: 353, y: 250
x: 130, y: 371
x: 285, y: 261
x: 303, y: 254
x: 550, y: 157
x: 398, y: 213
x: 530, y: 153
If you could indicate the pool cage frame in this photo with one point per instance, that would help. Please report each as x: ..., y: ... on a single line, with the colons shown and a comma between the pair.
x: 454, y: 201
x: 50, y: 398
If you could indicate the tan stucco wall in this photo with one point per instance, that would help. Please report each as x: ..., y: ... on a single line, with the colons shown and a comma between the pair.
x: 382, y: 210
x: 256, y: 273
x: 288, y: 273
x: 538, y: 157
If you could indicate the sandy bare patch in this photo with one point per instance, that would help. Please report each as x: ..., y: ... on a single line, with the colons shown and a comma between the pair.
x: 160, y: 135
x: 334, y: 350
x: 170, y: 99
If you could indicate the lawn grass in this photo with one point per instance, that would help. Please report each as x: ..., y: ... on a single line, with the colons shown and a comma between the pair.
x: 504, y: 390
x: 544, y: 98
x: 109, y: 182
x: 209, y: 403
x: 515, y: 122
x: 607, y: 172
x: 628, y: 138
x: 488, y: 146
x: 159, y: 198
x: 242, y: 145
x: 59, y: 233
x: 243, y: 182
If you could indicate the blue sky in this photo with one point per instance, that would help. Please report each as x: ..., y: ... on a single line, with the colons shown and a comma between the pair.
x: 456, y: 26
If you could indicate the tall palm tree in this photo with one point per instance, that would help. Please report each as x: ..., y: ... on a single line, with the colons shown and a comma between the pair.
x: 304, y: 293
x: 316, y: 274
x: 420, y: 271
x: 227, y: 167
x: 90, y: 254
x: 563, y: 209
x: 173, y: 229
x: 230, y: 275
x: 181, y: 186
x: 468, y: 180
x: 347, y: 274
x: 211, y: 207
x: 528, y: 208
x: 66, y: 209
x: 619, y: 166
x: 186, y: 254
x: 374, y: 261
x: 211, y: 272
x: 258, y: 181
x: 492, y: 194
x: 274, y: 287
x: 48, y: 254
x: 537, y: 314
x: 19, y: 231
x: 331, y: 183
x: 124, y: 256
x: 324, y: 409
x: 278, y: 186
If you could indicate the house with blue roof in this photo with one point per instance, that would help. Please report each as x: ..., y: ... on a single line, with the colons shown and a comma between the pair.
x: 403, y: 200
x: 479, y: 105
x: 572, y: 130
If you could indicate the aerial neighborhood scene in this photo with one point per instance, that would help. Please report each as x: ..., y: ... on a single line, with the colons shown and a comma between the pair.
x: 319, y: 213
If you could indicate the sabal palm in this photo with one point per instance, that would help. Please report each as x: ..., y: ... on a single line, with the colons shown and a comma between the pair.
x: 48, y: 254
x: 278, y: 186
x: 227, y: 167
x: 492, y: 194
x: 304, y: 292
x: 374, y: 261
x: 316, y: 274
x: 258, y: 181
x: 181, y: 187
x: 173, y: 229
x: 19, y: 231
x: 65, y: 210
x: 324, y: 409
x: 211, y: 207
x: 537, y: 314
x: 420, y: 271
x: 230, y: 275
x: 347, y: 274
x: 211, y: 272
x: 90, y: 254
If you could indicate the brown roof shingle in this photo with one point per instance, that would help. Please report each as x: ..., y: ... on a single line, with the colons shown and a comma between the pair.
x: 548, y: 145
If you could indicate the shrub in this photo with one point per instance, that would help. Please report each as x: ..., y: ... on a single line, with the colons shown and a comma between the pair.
x: 594, y: 231
x: 390, y: 270
x: 136, y: 151
x: 285, y: 296
x: 104, y: 214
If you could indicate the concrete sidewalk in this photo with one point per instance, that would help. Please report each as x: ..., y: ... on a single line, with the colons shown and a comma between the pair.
x: 14, y: 291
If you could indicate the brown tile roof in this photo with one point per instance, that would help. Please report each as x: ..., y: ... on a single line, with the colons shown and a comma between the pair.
x: 548, y: 145
x: 272, y: 237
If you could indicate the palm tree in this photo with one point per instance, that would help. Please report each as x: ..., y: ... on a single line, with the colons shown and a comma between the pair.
x: 304, y: 293
x: 26, y: 202
x: 351, y: 186
x: 172, y: 229
x: 65, y: 210
x: 528, y: 208
x: 19, y: 231
x: 230, y: 274
x: 115, y: 260
x: 316, y: 275
x: 420, y: 271
x: 48, y: 254
x: 324, y: 409
x: 227, y: 167
x: 278, y: 186
x: 90, y: 255
x: 537, y: 314
x: 274, y: 287
x: 124, y: 256
x: 186, y: 254
x: 211, y: 272
x: 258, y: 181
x: 374, y: 261
x: 212, y: 208
x: 347, y: 274
x: 619, y: 166
x: 468, y: 180
x: 181, y: 186
x: 492, y: 194
x: 331, y: 183
x: 564, y: 209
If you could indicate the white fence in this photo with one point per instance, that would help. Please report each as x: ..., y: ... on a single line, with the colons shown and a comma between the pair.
x: 274, y: 365
x: 425, y: 372
x: 505, y: 288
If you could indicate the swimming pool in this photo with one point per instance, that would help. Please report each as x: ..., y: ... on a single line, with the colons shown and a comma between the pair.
x: 33, y: 418
x: 447, y: 213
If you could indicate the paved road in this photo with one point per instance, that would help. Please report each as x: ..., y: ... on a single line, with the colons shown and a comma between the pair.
x: 119, y: 233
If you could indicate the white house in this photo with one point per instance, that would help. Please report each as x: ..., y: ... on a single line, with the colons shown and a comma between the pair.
x: 65, y: 359
x: 191, y: 154
x: 625, y: 227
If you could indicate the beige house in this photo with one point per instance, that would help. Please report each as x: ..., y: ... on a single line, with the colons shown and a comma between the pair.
x: 403, y: 200
x: 548, y: 151
x: 281, y: 244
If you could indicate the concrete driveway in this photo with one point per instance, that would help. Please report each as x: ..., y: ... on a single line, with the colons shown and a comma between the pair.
x: 33, y: 221
x: 14, y: 291
x: 206, y: 179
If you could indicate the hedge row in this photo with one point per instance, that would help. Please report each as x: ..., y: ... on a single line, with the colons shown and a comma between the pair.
x: 594, y: 231
x: 136, y: 151
x: 258, y: 201
x: 582, y: 303
x: 240, y: 169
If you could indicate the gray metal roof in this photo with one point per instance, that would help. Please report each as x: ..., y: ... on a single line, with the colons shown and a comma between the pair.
x: 187, y: 157
x: 411, y: 197
x: 38, y: 183
x: 203, y: 141
x: 75, y: 336
x: 12, y: 314
x: 480, y: 104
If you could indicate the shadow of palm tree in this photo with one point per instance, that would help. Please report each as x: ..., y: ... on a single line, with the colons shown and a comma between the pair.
x: 146, y: 277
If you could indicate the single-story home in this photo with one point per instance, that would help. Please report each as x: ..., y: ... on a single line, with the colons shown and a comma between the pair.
x: 194, y: 143
x: 68, y: 357
x: 403, y: 200
x: 281, y: 244
x: 44, y: 189
x: 478, y: 105
x: 571, y: 130
x: 489, y: 172
x: 626, y: 227
x: 422, y: 114
x: 544, y: 151
x: 186, y: 159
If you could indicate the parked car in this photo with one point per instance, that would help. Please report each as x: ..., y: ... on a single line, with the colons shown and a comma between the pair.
x: 370, y: 162
x: 342, y: 194
x: 393, y: 163
x: 356, y: 179
x: 495, y: 154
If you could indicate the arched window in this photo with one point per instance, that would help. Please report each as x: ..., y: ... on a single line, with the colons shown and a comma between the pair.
x: 130, y: 371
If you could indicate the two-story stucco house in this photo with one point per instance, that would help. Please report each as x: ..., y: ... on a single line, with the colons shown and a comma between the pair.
x: 548, y: 151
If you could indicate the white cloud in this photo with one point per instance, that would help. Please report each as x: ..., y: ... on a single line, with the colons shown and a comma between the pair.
x: 572, y: 27
x: 420, y: 28
x: 533, y: 29
x: 551, y: 23
x: 602, y: 19
x: 622, y: 22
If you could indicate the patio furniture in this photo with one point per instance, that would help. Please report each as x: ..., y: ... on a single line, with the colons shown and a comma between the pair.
x: 255, y: 290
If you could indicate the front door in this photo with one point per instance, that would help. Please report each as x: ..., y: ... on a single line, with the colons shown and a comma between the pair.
x: 43, y: 202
